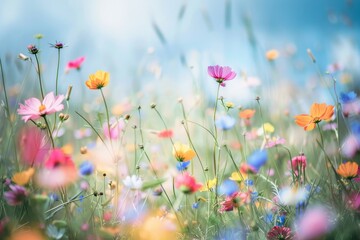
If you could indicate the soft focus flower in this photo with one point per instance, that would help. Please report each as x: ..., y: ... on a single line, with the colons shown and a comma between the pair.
x: 34, y: 108
x: 157, y: 228
x: 23, y: 178
x: 235, y: 200
x: 186, y: 183
x: 228, y: 187
x: 257, y: 159
x: 59, y: 170
x: 181, y: 166
x: 354, y: 201
x: 277, y: 233
x: 225, y: 122
x: 348, y: 170
x: 116, y: 127
x: 315, y: 223
x: 238, y: 177
x: 134, y: 182
x: 348, y: 97
x: 351, y: 144
x: 247, y: 113
x: 98, y: 80
x: 75, y: 64
x: 165, y: 134
x: 298, y: 163
x: 275, y: 141
x: 318, y: 112
x: 34, y: 145
x: 86, y: 168
x: 350, y: 103
x: 16, y: 195
x: 182, y: 152
x: 210, y: 184
x: 82, y: 133
x: 272, y: 54
x: 268, y: 127
x: 292, y: 195
x: 221, y: 74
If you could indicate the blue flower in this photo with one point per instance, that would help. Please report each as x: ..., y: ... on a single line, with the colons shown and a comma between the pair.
x: 195, y: 205
x: 54, y: 197
x: 86, y: 168
x: 257, y: 159
x: 347, y: 97
x: 181, y: 166
x: 249, y: 182
x: 280, y: 221
x: 225, y: 122
x: 228, y: 187
x: 269, y: 218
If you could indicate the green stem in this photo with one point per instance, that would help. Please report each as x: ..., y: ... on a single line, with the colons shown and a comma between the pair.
x: 39, y: 75
x: 215, y: 128
x: 50, y: 133
x: 107, y: 113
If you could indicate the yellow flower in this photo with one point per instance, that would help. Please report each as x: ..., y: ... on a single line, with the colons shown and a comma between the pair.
x: 229, y: 104
x: 272, y: 54
x: 348, y: 170
x: 22, y: 178
x: 209, y: 185
x: 98, y: 80
x: 182, y: 152
x: 237, y: 177
x: 269, y: 128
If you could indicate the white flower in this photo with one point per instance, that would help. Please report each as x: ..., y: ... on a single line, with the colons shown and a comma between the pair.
x: 292, y: 195
x: 134, y: 182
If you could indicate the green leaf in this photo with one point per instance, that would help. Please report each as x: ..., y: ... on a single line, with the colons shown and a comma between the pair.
x: 153, y: 183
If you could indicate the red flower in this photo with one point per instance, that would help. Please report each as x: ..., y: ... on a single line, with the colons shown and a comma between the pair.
x: 277, y: 233
x: 165, y: 134
x: 75, y: 64
x: 187, y: 183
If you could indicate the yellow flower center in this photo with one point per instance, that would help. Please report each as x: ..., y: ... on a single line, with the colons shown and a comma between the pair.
x: 42, y: 107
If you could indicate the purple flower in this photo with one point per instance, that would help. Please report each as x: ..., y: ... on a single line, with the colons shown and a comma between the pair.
x: 16, y: 195
x: 221, y: 74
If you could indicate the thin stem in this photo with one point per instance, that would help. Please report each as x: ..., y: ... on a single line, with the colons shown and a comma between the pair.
x: 39, y: 75
x: 6, y: 97
x: 56, y: 82
x: 50, y: 133
x: 107, y: 113
x: 215, y: 128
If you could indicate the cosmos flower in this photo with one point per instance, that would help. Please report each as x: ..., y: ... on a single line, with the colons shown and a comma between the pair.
x: 74, y: 64
x: 247, y: 113
x: 59, y: 170
x: 116, y: 127
x: 275, y: 141
x: 182, y: 152
x: 34, y: 108
x: 277, y: 232
x: 16, y: 195
x: 134, y: 182
x: 348, y: 170
x: 98, y: 80
x: 318, y: 112
x: 186, y: 183
x: 221, y: 74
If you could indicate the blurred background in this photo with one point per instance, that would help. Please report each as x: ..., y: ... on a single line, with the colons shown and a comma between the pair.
x: 157, y: 45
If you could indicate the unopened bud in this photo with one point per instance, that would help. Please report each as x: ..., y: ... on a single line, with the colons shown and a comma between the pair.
x: 33, y: 49
x: 153, y: 105
x: 83, y: 150
x: 68, y: 93
x: 63, y: 117
x: 23, y: 57
x: 127, y: 116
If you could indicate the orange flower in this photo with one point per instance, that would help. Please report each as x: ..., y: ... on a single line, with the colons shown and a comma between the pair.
x: 182, y: 152
x: 247, y: 113
x: 318, y: 112
x: 23, y: 178
x: 272, y: 54
x: 348, y: 170
x: 98, y: 80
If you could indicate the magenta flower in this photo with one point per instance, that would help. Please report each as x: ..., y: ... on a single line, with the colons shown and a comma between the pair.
x: 221, y: 74
x: 75, y: 64
x: 34, y: 108
x: 298, y: 163
x: 16, y: 195
x: 187, y: 183
x: 279, y: 233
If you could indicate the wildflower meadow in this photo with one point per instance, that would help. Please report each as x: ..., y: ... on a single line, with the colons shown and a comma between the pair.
x: 179, y: 149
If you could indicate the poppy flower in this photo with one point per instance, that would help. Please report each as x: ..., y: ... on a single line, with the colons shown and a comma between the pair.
x: 182, y: 152
x: 318, y: 112
x: 98, y: 80
x: 247, y: 113
x: 221, y: 74
x: 34, y: 108
x: 348, y: 170
x: 186, y: 183
x: 75, y: 64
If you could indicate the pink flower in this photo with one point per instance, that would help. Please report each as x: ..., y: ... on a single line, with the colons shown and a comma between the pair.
x: 75, y: 64
x: 116, y: 126
x: 298, y: 163
x: 16, y: 195
x: 165, y: 134
x: 59, y: 171
x: 34, y: 108
x: 275, y: 142
x: 279, y: 233
x: 317, y: 216
x: 186, y: 183
x: 235, y: 200
x: 221, y: 74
